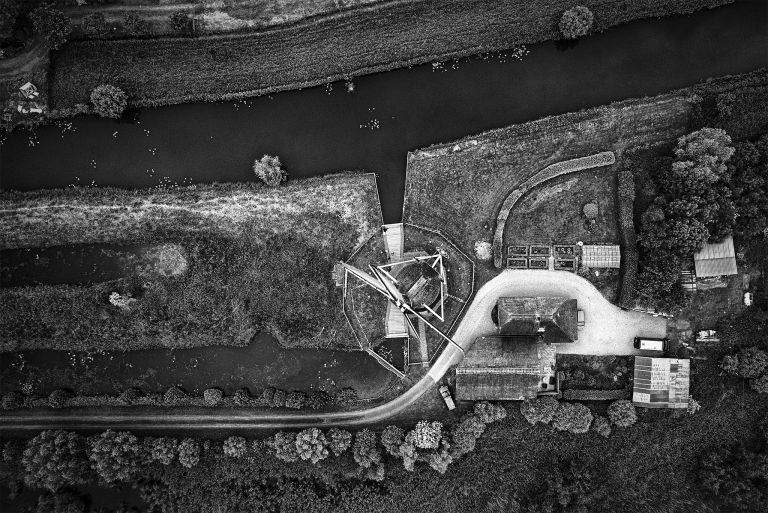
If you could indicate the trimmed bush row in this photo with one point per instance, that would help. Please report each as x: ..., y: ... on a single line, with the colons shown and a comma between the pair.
x: 176, y: 397
x: 575, y: 417
x: 595, y: 395
x: 626, y: 206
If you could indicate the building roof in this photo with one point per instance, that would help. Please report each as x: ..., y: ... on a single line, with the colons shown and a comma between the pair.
x: 716, y: 259
x: 602, y: 256
x: 661, y: 382
x: 554, y: 318
x: 504, y: 368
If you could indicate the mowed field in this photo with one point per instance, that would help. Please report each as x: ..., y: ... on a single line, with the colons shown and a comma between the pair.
x: 382, y: 36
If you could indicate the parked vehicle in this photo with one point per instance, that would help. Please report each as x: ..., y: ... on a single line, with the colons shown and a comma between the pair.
x: 580, y: 317
x: 652, y: 344
x: 748, y: 298
x: 447, y: 397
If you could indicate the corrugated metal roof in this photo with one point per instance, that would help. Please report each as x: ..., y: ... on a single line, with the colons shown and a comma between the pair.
x: 601, y: 256
x: 661, y: 382
x: 716, y: 259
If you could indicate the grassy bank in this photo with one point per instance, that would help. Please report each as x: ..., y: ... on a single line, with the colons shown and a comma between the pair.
x: 251, y: 259
x: 379, y: 37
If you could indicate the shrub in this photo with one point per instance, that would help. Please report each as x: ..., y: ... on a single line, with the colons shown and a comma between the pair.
x: 267, y: 396
x: 180, y: 22
x: 213, y: 396
x: 440, y: 459
x: 163, y: 450
x: 134, y: 25
x: 235, y: 447
x: 278, y: 400
x: 576, y: 22
x: 747, y: 363
x: 129, y: 396
x: 115, y: 455
x: 541, y: 409
x: 50, y: 24
x: 760, y: 385
x: 601, y: 426
x: 54, y: 459
x: 284, y: 445
x: 488, y: 413
x: 364, y: 451
x: 693, y: 406
x: 465, y: 434
x: 318, y: 400
x: 339, y: 440
x: 573, y: 417
x: 241, y: 397
x: 346, y: 397
x: 58, y: 398
x: 109, y: 101
x: 622, y: 413
x: 296, y: 400
x: 94, y: 24
x: 590, y: 394
x: 268, y: 169
x: 590, y: 211
x: 427, y: 435
x: 483, y: 250
x: 12, y: 400
x: 311, y: 445
x: 189, y: 453
x: 392, y: 438
x: 174, y: 395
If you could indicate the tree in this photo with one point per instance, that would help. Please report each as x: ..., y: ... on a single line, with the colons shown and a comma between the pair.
x: 129, y: 396
x: 749, y: 183
x: 465, y: 434
x: 569, y: 488
x: 134, y: 25
x: 601, y: 426
x: 339, y: 440
x: 114, y: 455
x: 235, y: 447
x: 94, y: 24
x: 54, y: 459
x: 268, y: 169
x: 12, y: 400
x: 760, y: 385
x: 311, y: 445
x: 163, y: 449
x: 50, y: 24
x: 489, y: 413
x: 241, y: 397
x: 213, y: 396
x: 346, y: 397
x: 541, y: 409
x: 58, y: 398
x: 364, y: 451
x: 180, y: 23
x: 284, y: 445
x: 573, y: 417
x: 736, y: 477
x: 441, y: 458
x: 9, y: 10
x: 296, y: 400
x: 279, y: 398
x: 318, y: 399
x: 591, y: 211
x: 189, y: 453
x: 750, y: 362
x: 622, y: 413
x: 391, y: 438
x: 427, y: 435
x: 109, y: 101
x: 576, y: 22
x: 483, y: 250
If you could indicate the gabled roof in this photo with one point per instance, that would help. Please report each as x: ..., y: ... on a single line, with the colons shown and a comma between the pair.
x: 716, y: 259
x: 603, y: 256
x: 661, y: 382
x: 526, y: 315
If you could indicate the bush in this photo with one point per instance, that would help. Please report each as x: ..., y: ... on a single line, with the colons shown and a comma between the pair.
x: 573, y: 417
x: 760, y: 385
x: 590, y: 211
x: 311, y: 445
x: 489, y: 413
x: 440, y: 459
x: 284, y: 445
x: 601, y: 426
x: 278, y: 399
x: 109, y: 101
x: 129, y: 396
x: 346, y: 397
x: 622, y: 413
x: 180, y: 22
x: 589, y: 394
x: 59, y: 398
x: 268, y: 169
x: 339, y: 440
x: 392, y: 438
x: 483, y: 250
x: 241, y: 397
x: 318, y: 400
x: 364, y: 451
x: 50, y: 24
x: 134, y: 25
x: 427, y: 435
x: 94, y: 24
x: 541, y: 409
x: 235, y: 447
x: 163, y: 450
x: 115, y: 455
x: 54, y: 459
x: 693, y: 406
x: 296, y: 400
x: 189, y: 453
x: 747, y: 363
x: 174, y: 395
x: 267, y: 396
x: 576, y: 22
x: 12, y: 400
x: 213, y: 396
x: 465, y: 434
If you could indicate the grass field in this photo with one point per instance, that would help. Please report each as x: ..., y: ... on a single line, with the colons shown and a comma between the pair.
x: 257, y: 260
x: 383, y: 36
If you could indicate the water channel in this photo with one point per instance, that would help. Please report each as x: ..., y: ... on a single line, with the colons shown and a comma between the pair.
x: 325, y: 129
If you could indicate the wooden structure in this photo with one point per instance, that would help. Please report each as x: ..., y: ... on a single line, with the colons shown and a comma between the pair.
x: 716, y: 259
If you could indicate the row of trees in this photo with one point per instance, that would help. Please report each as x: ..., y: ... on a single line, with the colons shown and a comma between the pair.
x: 751, y: 364
x: 576, y: 417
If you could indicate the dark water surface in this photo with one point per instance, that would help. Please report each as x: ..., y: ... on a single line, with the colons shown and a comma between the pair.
x: 317, y: 131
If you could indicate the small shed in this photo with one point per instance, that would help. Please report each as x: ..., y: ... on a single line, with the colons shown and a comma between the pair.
x: 661, y: 382
x: 601, y: 256
x: 29, y: 91
x: 716, y: 259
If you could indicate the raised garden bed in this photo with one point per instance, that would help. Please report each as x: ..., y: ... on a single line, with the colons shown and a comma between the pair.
x: 517, y: 263
x: 538, y: 263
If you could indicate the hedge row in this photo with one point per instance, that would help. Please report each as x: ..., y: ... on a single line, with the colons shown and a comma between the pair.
x: 625, y: 204
x: 176, y: 397
x: 595, y: 395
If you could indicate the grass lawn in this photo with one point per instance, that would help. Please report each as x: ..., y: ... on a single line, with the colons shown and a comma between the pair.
x: 257, y: 260
x: 385, y: 35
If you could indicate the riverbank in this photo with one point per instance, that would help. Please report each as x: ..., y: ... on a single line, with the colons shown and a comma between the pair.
x: 370, y: 39
x: 230, y: 261
x: 469, y: 179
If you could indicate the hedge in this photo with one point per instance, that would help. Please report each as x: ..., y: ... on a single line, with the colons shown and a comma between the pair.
x: 625, y: 204
x: 595, y: 395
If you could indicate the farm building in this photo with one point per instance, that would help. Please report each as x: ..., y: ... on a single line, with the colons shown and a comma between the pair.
x: 661, y: 382
x: 552, y: 319
x: 506, y: 369
x: 716, y: 259
x: 602, y: 256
